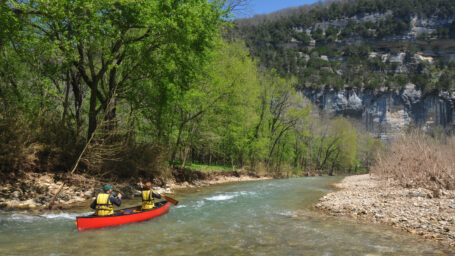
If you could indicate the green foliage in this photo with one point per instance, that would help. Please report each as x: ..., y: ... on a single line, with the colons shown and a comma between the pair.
x: 72, y: 61
x: 350, y: 45
x: 156, y: 86
x: 346, y: 143
x: 302, y: 37
x: 317, y: 35
x: 209, y: 168
x: 447, y: 79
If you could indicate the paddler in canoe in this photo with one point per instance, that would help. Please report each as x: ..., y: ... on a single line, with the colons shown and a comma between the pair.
x: 148, y: 195
x: 103, y: 204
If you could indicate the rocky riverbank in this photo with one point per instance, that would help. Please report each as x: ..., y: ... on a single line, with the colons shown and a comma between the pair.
x: 213, y: 178
x: 34, y: 191
x: 419, y: 211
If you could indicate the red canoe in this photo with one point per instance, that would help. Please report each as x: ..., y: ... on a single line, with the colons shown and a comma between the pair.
x: 123, y: 216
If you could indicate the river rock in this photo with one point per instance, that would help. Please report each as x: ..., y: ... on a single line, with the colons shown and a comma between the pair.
x: 88, y: 194
x: 366, y: 197
x: 29, y: 203
x: 15, y: 194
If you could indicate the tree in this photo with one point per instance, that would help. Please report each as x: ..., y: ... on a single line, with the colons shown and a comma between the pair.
x: 238, y: 8
x: 224, y: 96
x: 282, y: 110
x: 109, y: 44
x: 344, y: 136
x: 62, y: 62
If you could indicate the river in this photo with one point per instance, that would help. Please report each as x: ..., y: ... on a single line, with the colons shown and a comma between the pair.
x: 273, y: 217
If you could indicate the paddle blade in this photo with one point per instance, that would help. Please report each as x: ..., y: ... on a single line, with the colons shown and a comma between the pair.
x: 171, y: 200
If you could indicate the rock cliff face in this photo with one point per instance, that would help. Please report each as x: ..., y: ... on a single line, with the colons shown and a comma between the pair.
x: 384, y: 111
x: 343, y: 44
x: 417, y: 35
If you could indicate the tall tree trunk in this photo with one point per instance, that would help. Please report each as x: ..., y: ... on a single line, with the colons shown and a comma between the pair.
x: 76, y: 85
x: 277, y: 139
x: 333, y: 163
x: 92, y: 111
x: 67, y: 92
x: 309, y: 157
x: 210, y: 154
x: 112, y: 102
x: 111, y: 122
x: 185, y: 152
x: 190, y: 146
x: 131, y: 121
x: 177, y: 144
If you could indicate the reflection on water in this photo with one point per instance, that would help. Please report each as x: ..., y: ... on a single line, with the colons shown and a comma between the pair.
x: 254, y: 218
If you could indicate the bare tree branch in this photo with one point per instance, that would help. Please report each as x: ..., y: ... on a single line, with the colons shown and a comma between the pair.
x: 240, y: 8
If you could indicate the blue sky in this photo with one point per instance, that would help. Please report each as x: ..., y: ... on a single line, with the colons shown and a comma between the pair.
x: 268, y: 6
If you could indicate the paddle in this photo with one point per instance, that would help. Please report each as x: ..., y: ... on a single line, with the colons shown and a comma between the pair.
x: 169, y: 199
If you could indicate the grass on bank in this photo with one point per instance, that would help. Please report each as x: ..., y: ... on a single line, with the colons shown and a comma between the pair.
x: 209, y: 168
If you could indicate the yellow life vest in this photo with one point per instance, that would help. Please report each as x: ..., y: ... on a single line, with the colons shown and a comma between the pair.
x: 147, y: 200
x: 103, y: 205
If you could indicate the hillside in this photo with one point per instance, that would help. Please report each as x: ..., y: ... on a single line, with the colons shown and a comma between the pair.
x: 390, y: 63
x: 358, y: 43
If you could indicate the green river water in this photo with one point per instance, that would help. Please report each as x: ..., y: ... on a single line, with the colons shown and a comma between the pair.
x: 253, y: 218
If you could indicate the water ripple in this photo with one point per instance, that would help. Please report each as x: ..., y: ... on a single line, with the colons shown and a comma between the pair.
x: 220, y: 197
x: 64, y: 215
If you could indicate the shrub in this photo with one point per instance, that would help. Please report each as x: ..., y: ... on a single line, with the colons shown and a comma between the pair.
x: 418, y: 160
x: 38, y: 144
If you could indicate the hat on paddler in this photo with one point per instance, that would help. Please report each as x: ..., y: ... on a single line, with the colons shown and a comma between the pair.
x: 107, y: 187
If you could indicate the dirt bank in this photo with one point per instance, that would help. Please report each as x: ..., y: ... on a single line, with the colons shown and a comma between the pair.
x: 33, y: 191
x: 418, y: 211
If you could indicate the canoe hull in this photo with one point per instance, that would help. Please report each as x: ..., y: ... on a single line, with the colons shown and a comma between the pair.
x: 93, y: 222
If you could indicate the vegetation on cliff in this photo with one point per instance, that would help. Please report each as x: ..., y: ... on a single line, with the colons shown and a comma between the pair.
x: 357, y: 43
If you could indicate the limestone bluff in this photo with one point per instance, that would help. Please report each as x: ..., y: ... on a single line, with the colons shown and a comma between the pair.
x: 386, y: 111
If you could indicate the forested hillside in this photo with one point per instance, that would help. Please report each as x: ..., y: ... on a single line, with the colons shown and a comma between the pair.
x: 142, y: 87
x: 358, y: 43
